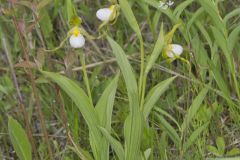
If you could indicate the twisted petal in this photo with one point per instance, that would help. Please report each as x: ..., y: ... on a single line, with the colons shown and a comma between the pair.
x: 104, y: 14
x: 77, y: 41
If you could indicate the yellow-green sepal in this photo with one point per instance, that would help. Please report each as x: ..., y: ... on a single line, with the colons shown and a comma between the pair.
x: 75, y: 21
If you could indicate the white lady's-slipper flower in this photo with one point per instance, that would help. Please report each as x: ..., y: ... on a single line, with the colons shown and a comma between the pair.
x: 174, y: 50
x: 76, y: 39
x: 104, y: 14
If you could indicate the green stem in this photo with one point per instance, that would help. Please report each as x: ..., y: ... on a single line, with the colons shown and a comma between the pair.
x: 85, y: 76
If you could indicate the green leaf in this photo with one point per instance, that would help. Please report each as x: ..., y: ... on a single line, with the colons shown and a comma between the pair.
x: 204, y: 33
x: 115, y: 144
x: 154, y: 94
x: 169, y: 130
x: 214, y: 151
x: 104, y: 105
x: 233, y: 152
x: 220, y: 145
x: 104, y: 109
x: 233, y: 38
x: 194, y: 17
x: 211, y: 8
x: 19, y: 140
x: 221, y: 82
x: 82, y: 101
x: 144, y: 7
x: 128, y: 13
x: 180, y: 7
x: 223, y: 44
x: 164, y: 113
x: 191, y: 140
x: 194, y: 108
x: 126, y: 69
x: 133, y: 123
x: 69, y: 9
x: 231, y: 14
x: 156, y: 51
x: 46, y: 23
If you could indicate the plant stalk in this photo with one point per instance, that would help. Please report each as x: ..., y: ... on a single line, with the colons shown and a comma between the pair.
x: 85, y: 76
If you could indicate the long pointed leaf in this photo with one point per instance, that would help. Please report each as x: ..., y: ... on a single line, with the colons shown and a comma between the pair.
x: 194, y: 108
x: 19, y: 140
x: 83, y: 103
x: 169, y: 130
x: 133, y: 123
x: 104, y: 109
x: 194, y: 136
x: 154, y: 95
x: 115, y: 144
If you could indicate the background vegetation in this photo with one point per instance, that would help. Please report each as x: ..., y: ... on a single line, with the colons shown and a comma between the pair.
x: 118, y: 97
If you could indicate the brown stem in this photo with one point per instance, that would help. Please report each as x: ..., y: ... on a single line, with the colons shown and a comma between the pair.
x: 20, y: 99
x: 34, y: 88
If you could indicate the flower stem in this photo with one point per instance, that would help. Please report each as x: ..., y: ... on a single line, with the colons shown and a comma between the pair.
x: 85, y: 76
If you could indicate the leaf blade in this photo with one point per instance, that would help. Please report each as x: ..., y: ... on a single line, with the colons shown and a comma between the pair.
x: 19, y: 140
